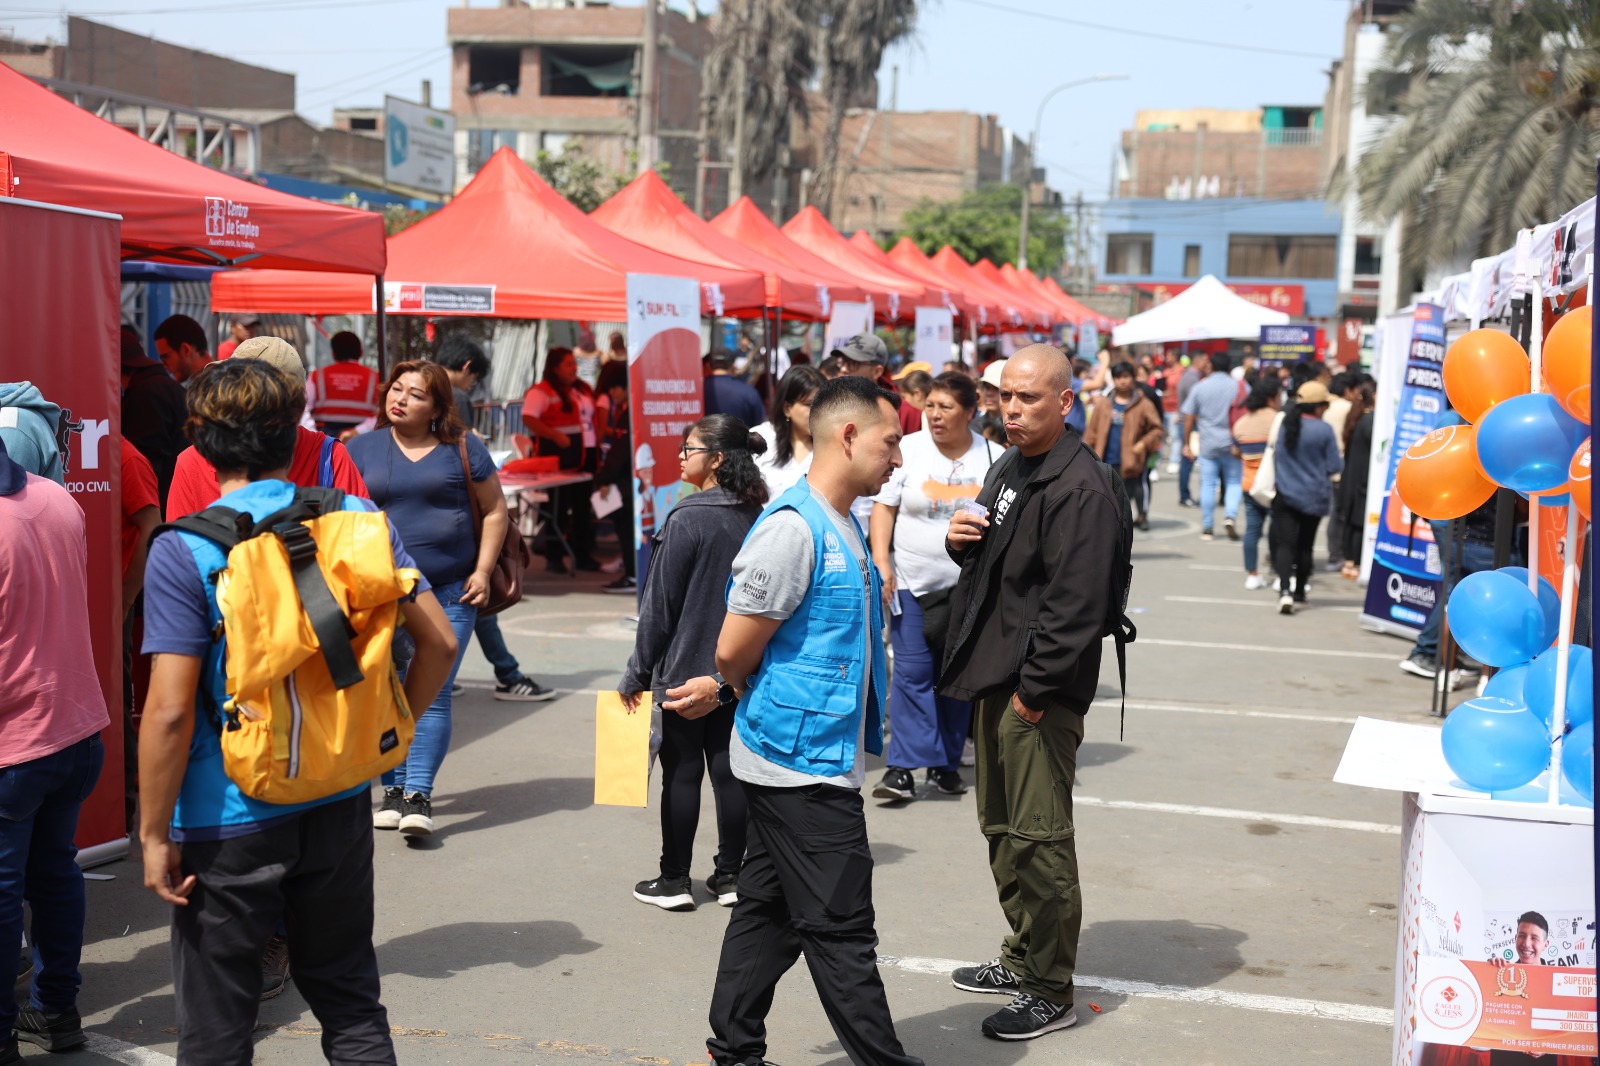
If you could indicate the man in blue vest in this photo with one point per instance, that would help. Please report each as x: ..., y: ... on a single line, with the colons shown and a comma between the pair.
x: 801, y: 646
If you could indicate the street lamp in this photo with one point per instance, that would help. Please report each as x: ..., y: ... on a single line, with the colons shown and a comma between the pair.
x: 1033, y: 140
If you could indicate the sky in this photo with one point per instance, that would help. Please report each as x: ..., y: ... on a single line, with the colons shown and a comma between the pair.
x: 995, y: 57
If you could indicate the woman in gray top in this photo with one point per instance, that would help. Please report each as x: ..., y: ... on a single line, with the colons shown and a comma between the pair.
x: 1305, y: 458
x: 674, y: 654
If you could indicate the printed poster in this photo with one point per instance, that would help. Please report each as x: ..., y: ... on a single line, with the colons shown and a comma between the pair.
x: 935, y: 334
x: 848, y: 320
x: 1405, y: 577
x: 666, y: 395
x: 1284, y: 346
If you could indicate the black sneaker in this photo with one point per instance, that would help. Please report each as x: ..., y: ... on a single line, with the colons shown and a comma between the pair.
x: 274, y: 966
x: 948, y: 782
x: 1028, y: 1016
x: 388, y: 816
x: 990, y: 977
x: 1231, y: 528
x: 457, y: 689
x: 669, y: 895
x: 897, y: 784
x: 524, y: 690
x: 53, y: 1032
x: 725, y: 887
x: 416, y: 819
x: 1420, y: 664
x: 622, y: 586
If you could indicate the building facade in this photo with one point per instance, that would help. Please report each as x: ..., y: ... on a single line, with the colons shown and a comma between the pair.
x: 1273, y: 152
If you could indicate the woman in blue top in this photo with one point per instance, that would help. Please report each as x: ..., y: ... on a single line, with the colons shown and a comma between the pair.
x: 412, y: 464
x: 1305, y: 460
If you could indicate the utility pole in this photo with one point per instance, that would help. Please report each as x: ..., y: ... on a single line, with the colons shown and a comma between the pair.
x: 1033, y: 142
x: 702, y: 146
x: 741, y: 93
x: 648, y: 106
x: 1079, y: 274
x: 883, y: 152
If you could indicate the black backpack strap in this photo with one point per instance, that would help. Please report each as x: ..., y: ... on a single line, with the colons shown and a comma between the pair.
x: 328, y: 620
x: 220, y: 525
x: 1126, y: 633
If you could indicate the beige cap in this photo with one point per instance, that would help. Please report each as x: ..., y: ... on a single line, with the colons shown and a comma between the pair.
x: 274, y: 351
x: 1311, y: 393
x: 991, y: 373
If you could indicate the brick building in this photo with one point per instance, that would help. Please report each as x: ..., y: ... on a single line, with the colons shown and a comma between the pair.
x: 1272, y: 153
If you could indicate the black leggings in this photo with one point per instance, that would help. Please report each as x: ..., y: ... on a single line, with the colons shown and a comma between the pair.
x: 1293, y: 537
x: 687, y: 748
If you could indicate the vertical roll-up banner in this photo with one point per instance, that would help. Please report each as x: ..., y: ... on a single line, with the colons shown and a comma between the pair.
x: 935, y: 331
x: 666, y: 395
x: 847, y: 320
x: 1404, y: 582
x: 60, y: 291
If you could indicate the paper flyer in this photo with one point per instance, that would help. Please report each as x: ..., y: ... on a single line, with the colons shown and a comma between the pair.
x: 621, y: 751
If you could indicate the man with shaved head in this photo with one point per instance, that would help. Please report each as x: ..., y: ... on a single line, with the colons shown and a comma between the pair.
x: 1026, y: 619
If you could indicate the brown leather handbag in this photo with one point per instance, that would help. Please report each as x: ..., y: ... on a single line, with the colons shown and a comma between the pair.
x: 505, y: 580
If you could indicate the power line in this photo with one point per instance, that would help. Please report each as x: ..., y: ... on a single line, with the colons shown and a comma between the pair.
x: 1147, y: 34
x: 322, y: 95
x: 34, y: 13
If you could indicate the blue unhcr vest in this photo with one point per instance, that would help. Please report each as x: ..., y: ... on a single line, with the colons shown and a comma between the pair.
x: 804, y: 710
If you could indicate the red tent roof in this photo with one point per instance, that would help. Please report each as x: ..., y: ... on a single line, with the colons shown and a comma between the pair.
x: 907, y: 258
x: 1104, y: 322
x: 939, y: 289
x: 1013, y: 311
x: 172, y: 209
x: 744, y: 223
x: 510, y: 230
x: 1041, y: 314
x: 1028, y: 283
x: 816, y: 234
x: 649, y: 212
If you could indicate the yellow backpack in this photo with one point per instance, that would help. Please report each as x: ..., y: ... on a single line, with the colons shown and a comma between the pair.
x: 304, y: 681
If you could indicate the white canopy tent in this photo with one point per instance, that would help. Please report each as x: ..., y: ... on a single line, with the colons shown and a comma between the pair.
x: 1206, y: 310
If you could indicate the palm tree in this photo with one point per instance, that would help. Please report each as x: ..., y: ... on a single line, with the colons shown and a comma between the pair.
x: 776, y: 43
x: 1497, y: 106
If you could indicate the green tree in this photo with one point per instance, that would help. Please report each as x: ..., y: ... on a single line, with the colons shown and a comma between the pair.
x: 983, y: 224
x: 776, y: 44
x: 1496, y: 125
x: 578, y: 176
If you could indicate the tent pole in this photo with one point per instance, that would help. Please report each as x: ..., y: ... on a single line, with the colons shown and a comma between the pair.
x: 383, y: 330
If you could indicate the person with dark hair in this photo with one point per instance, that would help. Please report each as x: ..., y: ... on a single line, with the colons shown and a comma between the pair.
x: 420, y: 465
x: 559, y: 413
x: 1305, y: 457
x: 788, y: 433
x: 241, y: 328
x: 674, y: 654
x: 1251, y: 433
x: 1210, y: 407
x: 182, y: 347
x: 613, y: 424
x: 466, y: 364
x: 729, y: 394
x: 1349, y: 519
x: 913, y: 381
x: 152, y: 410
x: 801, y: 651
x: 1533, y: 936
x: 344, y: 395
x: 1124, y: 430
x: 233, y: 867
x: 943, y: 467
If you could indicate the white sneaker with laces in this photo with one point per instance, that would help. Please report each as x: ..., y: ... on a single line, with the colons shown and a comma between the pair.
x: 1253, y: 582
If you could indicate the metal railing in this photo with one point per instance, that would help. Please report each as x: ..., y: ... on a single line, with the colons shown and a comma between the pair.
x: 1301, y: 137
x: 170, y: 125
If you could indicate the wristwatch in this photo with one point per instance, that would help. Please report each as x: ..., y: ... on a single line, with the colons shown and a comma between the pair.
x: 725, y: 693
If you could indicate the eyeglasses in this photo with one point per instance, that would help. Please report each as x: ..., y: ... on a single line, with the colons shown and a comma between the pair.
x: 683, y: 452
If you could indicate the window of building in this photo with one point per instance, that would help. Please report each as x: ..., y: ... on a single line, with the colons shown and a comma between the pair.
x: 1191, y: 260
x: 368, y: 124
x: 1301, y: 256
x: 481, y: 144
x: 554, y: 143
x: 1129, y: 253
x: 493, y: 69
x: 1369, y: 256
x: 588, y: 71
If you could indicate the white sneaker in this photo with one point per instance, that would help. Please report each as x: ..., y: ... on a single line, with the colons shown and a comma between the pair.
x: 969, y: 754
x: 1286, y: 604
x: 1172, y: 468
x: 1155, y: 475
x: 1253, y: 582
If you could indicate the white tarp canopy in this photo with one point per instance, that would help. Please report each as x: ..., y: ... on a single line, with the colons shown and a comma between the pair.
x: 1206, y: 310
x: 1555, y: 252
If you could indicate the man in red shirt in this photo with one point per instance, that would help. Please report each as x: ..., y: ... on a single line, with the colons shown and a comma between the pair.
x: 141, y: 512
x: 318, y: 459
x: 344, y: 395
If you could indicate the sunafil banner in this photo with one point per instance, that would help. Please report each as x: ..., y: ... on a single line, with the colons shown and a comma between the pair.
x: 1406, y: 568
x: 666, y: 395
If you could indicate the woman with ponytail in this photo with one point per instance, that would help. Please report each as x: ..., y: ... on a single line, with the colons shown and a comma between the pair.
x: 674, y: 654
x: 1305, y: 460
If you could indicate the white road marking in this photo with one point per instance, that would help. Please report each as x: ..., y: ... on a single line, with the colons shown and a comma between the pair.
x: 1315, y: 1008
x: 1230, y: 712
x: 1238, y: 815
x: 1219, y: 646
x: 1219, y: 569
x: 1263, y: 602
x: 124, y: 1052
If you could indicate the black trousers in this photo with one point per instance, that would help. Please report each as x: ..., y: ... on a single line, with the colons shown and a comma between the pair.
x: 1138, y: 488
x: 315, y: 872
x: 806, y: 886
x: 689, y: 747
x: 1293, y: 537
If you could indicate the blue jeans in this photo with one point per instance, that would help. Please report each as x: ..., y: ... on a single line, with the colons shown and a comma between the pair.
x: 39, y: 802
x: 1174, y: 423
x: 428, y: 747
x: 493, y: 645
x: 928, y: 730
x: 1255, y: 520
x: 1475, y: 556
x: 1229, y: 471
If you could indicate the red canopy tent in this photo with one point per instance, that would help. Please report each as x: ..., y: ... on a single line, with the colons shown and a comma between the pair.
x: 941, y: 288
x: 507, y: 231
x: 909, y: 259
x: 172, y: 209
x: 1027, y: 282
x: 649, y: 212
x: 811, y: 231
x: 744, y: 223
x: 1042, y: 314
x: 1104, y: 323
x: 1014, y: 312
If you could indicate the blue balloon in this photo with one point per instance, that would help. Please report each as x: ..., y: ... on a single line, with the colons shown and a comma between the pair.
x: 1539, y: 689
x: 1496, y: 620
x: 1507, y: 684
x: 1526, y: 442
x: 1549, y: 599
x: 1493, y: 745
x: 1577, y: 760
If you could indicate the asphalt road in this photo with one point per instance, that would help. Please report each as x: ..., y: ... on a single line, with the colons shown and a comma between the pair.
x: 1239, y: 906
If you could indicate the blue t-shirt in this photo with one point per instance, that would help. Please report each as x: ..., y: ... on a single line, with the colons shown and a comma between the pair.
x: 1114, y: 437
x: 1078, y: 416
x: 727, y: 395
x: 177, y: 621
x: 426, y: 500
x: 1210, y: 402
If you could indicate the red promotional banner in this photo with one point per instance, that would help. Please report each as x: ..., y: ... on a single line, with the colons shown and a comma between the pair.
x: 60, y: 287
x: 1290, y: 299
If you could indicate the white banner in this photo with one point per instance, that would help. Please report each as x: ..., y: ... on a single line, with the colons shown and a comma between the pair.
x: 848, y: 320
x: 935, y: 333
x: 420, y: 146
x: 1389, y: 354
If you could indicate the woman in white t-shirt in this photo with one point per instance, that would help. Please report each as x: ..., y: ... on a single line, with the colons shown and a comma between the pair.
x: 788, y: 434
x: 559, y: 414
x: 943, y: 467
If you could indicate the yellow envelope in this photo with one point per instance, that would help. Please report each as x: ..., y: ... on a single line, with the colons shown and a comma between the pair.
x: 621, y: 751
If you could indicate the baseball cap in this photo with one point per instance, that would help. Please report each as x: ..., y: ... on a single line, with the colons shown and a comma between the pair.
x: 864, y: 348
x: 991, y: 373
x: 644, y: 458
x: 1311, y: 394
x: 274, y: 351
x: 133, y: 353
x: 912, y: 368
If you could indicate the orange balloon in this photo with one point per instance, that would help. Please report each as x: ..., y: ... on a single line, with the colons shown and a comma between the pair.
x: 1439, y: 476
x: 1578, y: 479
x: 1566, y: 362
x: 1481, y: 369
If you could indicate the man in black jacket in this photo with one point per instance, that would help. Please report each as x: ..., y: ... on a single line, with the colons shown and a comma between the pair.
x: 1027, y: 615
x: 153, y: 411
